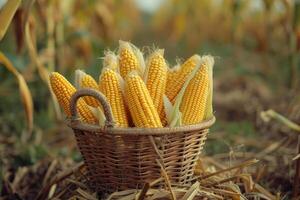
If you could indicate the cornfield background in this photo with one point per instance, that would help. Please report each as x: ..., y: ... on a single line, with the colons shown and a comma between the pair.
x: 256, y: 44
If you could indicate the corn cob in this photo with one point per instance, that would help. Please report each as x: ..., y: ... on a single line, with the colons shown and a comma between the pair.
x: 156, y: 77
x: 140, y: 104
x: 127, y: 59
x: 87, y: 81
x: 178, y: 75
x: 110, y: 86
x: 64, y: 90
x: 111, y: 61
x: 194, y: 99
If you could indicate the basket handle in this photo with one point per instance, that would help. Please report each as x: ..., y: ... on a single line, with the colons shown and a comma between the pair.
x: 99, y: 96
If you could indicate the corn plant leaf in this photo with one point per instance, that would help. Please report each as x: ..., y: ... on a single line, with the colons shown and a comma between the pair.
x: 27, y: 100
x: 20, y: 20
x: 24, y: 90
x: 27, y: 5
x: 42, y: 70
x: 7, y: 12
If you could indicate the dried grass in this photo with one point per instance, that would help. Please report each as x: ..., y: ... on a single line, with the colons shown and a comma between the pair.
x: 72, y: 183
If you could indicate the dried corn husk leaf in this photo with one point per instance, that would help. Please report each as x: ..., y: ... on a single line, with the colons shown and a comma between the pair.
x: 192, y: 192
x: 260, y: 189
x: 98, y: 113
x: 6, y: 14
x: 43, y: 71
x: 209, y: 102
x: 269, y: 114
x: 78, y: 76
x: 24, y: 90
x: 168, y: 108
x: 140, y: 58
x: 20, y: 20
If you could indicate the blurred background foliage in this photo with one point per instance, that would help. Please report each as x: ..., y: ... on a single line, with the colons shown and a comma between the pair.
x: 255, y: 42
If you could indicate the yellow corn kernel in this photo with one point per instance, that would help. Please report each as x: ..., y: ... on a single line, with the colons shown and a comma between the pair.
x: 140, y: 104
x: 110, y: 60
x: 88, y: 81
x: 194, y: 99
x: 110, y: 86
x: 156, y: 79
x: 127, y: 60
x: 178, y: 75
x: 63, y: 91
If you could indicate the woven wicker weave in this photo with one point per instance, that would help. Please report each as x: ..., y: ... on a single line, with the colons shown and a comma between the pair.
x: 123, y: 158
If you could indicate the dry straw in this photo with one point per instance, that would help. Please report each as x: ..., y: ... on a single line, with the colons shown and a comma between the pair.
x: 122, y: 158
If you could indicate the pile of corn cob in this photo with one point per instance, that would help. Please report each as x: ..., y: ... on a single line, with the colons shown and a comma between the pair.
x: 143, y: 93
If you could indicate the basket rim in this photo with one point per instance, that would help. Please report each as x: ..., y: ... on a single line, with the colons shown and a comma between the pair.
x: 78, y: 125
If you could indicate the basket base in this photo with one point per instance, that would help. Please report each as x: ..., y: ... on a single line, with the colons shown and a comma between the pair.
x: 131, y: 161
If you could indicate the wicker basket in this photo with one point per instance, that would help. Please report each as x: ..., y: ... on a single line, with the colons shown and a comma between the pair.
x: 123, y: 158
